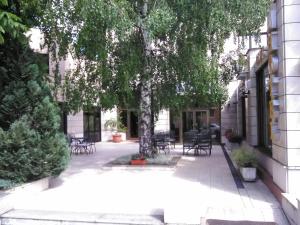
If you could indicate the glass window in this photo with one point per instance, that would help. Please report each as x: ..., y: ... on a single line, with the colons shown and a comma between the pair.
x: 92, y: 124
x: 263, y: 108
x: 212, y: 112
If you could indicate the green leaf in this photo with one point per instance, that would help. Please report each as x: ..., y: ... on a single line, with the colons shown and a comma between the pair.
x: 1, y: 39
x: 3, y: 2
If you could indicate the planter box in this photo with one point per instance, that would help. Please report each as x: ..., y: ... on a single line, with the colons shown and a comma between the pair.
x: 248, y: 173
x: 138, y: 162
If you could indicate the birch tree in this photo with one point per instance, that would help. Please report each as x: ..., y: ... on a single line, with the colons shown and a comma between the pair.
x: 148, y: 54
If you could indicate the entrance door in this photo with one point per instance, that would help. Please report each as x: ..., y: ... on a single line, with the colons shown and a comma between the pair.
x: 134, y: 127
x: 194, y: 120
x: 92, y: 124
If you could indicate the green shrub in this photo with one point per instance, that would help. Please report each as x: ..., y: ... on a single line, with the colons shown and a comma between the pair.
x: 115, y: 125
x: 31, y: 145
x: 244, y: 157
x: 5, y: 184
x: 28, y: 155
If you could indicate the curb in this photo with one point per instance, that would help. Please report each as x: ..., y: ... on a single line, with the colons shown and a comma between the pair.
x: 11, y: 196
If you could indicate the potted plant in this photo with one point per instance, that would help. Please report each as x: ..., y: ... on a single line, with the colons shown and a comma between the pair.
x: 116, y: 127
x: 246, y: 160
x: 138, y: 159
x: 233, y: 137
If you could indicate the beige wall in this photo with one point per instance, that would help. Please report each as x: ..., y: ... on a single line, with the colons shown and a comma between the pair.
x: 163, y: 122
x: 75, y: 124
x: 287, y: 147
x: 285, y: 44
x: 230, y: 108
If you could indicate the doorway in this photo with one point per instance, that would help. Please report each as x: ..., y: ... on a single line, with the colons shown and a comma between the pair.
x: 92, y: 124
x: 129, y: 118
x: 134, y: 124
x: 194, y: 120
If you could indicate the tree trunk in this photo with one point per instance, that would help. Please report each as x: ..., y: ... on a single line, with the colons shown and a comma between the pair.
x: 145, y: 85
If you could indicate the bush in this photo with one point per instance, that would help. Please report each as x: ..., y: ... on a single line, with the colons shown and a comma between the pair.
x: 236, y: 139
x: 31, y: 145
x: 115, y: 125
x: 244, y: 157
x: 28, y: 155
x: 233, y: 137
x: 5, y: 184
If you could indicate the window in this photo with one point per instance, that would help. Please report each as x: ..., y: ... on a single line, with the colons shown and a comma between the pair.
x: 212, y: 112
x: 63, y: 118
x: 92, y: 124
x: 263, y: 108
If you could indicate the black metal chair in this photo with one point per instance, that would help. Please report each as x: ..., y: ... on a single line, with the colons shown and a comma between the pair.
x: 189, y: 141
x: 171, y: 138
x: 161, y: 142
x: 91, y: 146
x: 203, y: 143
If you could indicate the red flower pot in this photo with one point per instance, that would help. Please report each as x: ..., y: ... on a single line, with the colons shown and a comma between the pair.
x: 138, y: 162
x: 116, y: 138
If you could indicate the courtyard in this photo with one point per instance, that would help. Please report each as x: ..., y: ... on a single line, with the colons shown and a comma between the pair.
x: 198, y: 188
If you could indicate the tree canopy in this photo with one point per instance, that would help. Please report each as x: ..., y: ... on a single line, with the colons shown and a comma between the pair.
x: 186, y: 39
x: 146, y: 54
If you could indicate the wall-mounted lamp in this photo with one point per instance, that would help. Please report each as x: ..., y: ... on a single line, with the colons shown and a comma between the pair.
x: 245, y: 93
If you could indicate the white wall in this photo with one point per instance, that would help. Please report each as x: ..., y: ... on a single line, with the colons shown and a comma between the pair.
x: 229, y: 110
x: 163, y: 122
x: 75, y: 124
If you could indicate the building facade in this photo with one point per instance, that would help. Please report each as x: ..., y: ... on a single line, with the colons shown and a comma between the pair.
x: 91, y: 124
x: 266, y: 101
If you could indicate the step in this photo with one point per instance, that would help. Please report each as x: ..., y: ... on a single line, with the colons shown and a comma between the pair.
x: 291, y: 207
x: 38, y: 217
x: 227, y: 222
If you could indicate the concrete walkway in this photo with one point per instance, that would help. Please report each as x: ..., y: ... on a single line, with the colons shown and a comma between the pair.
x: 199, y: 187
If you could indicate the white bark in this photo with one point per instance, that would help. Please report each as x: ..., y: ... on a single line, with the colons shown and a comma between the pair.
x: 145, y: 95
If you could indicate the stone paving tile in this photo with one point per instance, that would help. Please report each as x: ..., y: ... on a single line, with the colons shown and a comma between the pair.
x: 198, y: 187
x: 70, y: 217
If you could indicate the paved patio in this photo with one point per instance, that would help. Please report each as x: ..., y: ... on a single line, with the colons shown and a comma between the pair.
x: 199, y: 187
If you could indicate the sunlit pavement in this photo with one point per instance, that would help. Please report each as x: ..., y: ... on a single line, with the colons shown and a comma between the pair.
x: 197, y: 187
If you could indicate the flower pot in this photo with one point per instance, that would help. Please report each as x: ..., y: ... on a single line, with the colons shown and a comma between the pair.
x: 248, y: 173
x: 117, y: 138
x: 138, y: 162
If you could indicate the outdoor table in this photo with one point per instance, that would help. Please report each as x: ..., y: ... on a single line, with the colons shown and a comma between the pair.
x: 79, y: 146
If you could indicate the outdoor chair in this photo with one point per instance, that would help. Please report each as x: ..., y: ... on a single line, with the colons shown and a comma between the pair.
x: 91, y: 146
x: 171, y: 138
x: 203, y: 143
x: 161, y: 142
x: 189, y: 141
x: 82, y: 145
